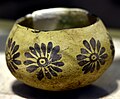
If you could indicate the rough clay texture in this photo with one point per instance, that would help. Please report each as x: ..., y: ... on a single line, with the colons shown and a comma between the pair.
x: 67, y: 45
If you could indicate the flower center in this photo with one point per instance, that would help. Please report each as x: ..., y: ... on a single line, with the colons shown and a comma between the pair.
x: 94, y: 57
x: 8, y: 56
x: 42, y: 61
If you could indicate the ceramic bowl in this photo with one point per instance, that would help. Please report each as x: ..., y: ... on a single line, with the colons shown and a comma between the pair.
x: 59, y: 49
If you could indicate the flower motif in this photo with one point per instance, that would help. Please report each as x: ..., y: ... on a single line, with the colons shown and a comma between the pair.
x: 45, y: 59
x: 112, y: 47
x: 92, y: 56
x: 12, y: 55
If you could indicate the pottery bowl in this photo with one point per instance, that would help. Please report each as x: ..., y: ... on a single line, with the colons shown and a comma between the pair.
x: 59, y: 49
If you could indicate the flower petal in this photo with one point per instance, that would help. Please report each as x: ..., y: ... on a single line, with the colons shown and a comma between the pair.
x: 58, y: 63
x: 49, y: 47
x: 43, y: 48
x: 102, y: 50
x: 28, y: 55
x: 111, y: 44
x: 113, y: 52
x: 83, y: 62
x: 111, y: 47
x: 13, y: 44
x: 17, y: 62
x: 47, y: 74
x: 56, y: 57
x: 98, y: 46
x: 87, y: 45
x: 52, y: 72
x: 16, y: 55
x: 81, y: 57
x: 93, y: 43
x: 84, y: 51
x: 33, y: 51
x: 102, y: 61
x: 11, y: 69
x: 37, y: 48
x: 98, y: 65
x: 87, y: 69
x: 55, y: 50
x: 27, y: 62
x: 104, y: 56
x: 9, y: 42
x: 15, y: 49
x: 13, y: 65
x: 56, y: 69
x: 31, y: 68
x: 40, y: 75
x: 86, y: 66
x: 92, y: 68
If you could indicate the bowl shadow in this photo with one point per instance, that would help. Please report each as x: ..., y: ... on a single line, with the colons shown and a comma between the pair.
x: 90, y: 91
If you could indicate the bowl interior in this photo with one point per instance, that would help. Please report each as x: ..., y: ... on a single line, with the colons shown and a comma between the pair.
x: 58, y: 18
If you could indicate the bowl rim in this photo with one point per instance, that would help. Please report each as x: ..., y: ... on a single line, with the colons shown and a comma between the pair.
x: 54, y: 10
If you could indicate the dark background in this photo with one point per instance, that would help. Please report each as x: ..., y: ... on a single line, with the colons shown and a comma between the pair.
x: 107, y: 10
